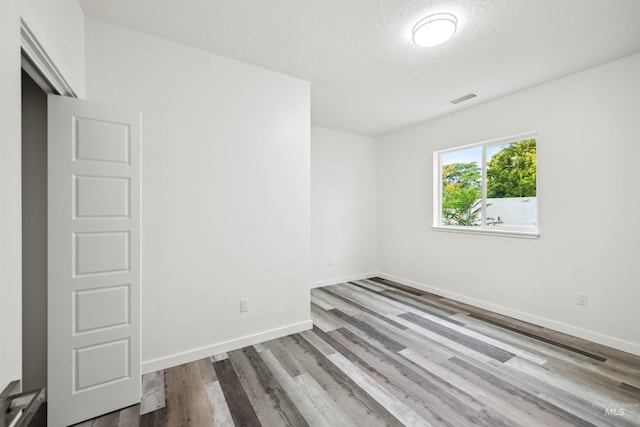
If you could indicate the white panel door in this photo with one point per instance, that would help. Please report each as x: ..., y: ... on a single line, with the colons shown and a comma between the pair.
x: 94, y: 260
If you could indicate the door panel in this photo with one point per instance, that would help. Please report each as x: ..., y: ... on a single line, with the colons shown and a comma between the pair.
x: 101, y: 197
x: 94, y: 260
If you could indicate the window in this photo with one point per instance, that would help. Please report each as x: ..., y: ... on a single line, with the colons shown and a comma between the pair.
x: 488, y: 188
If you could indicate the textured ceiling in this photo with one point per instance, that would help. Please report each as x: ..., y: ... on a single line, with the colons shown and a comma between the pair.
x: 366, y: 75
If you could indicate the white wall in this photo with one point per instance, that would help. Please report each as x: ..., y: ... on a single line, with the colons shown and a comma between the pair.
x: 589, y: 175
x: 59, y: 27
x: 10, y: 197
x: 343, y: 206
x: 225, y: 192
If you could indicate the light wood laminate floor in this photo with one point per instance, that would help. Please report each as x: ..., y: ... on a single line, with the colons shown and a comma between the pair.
x: 384, y: 354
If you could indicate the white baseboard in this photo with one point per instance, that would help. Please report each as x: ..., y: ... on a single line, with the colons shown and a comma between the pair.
x: 211, y: 350
x: 609, y: 341
x: 336, y: 280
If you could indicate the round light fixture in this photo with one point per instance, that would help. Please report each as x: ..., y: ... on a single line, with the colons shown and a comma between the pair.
x: 434, y: 29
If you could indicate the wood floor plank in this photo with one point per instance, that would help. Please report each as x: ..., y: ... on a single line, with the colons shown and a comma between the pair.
x: 207, y: 373
x: 379, y: 314
x: 543, y: 339
x: 337, y: 303
x: 367, y: 284
x: 420, y: 304
x: 597, y: 351
x: 473, y: 343
x: 633, y: 389
x: 512, y: 413
x: 259, y: 347
x: 317, y: 410
x: 497, y: 379
x: 213, y: 391
x: 152, y: 392
x: 409, y: 337
x: 523, y: 342
x: 155, y: 418
x: 391, y: 403
x: 130, y: 417
x: 260, y: 400
x: 325, y: 319
x: 320, y: 303
x: 384, y: 354
x: 219, y: 357
x: 240, y: 407
x: 362, y: 407
x: 287, y: 358
x: 578, y: 405
x: 426, y: 393
x: 333, y: 413
x: 221, y: 414
x: 186, y: 399
x: 611, y: 371
x: 589, y: 378
x: 371, y: 331
x: 421, y: 299
x: 552, y: 409
x: 318, y: 343
x: 571, y: 385
x: 395, y: 285
x: 485, y: 339
x: 273, y: 405
x: 391, y: 382
x: 377, y: 303
x: 415, y: 390
x: 106, y: 420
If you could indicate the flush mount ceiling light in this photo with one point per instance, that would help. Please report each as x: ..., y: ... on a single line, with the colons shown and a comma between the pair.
x: 434, y: 29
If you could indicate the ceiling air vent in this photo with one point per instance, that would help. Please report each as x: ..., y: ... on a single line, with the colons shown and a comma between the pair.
x: 463, y: 98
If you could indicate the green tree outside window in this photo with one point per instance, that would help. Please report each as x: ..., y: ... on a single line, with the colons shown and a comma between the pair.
x: 511, y: 172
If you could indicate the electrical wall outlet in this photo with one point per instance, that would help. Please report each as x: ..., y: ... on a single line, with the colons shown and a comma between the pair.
x: 330, y: 262
x: 581, y: 299
x: 244, y: 305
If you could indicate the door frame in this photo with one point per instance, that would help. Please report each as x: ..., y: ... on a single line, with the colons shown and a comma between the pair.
x: 37, y: 63
x: 17, y: 39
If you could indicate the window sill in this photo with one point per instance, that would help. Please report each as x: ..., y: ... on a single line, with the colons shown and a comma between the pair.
x: 488, y: 232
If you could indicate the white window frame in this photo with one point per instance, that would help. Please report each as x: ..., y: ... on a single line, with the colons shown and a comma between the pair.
x: 482, y: 229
